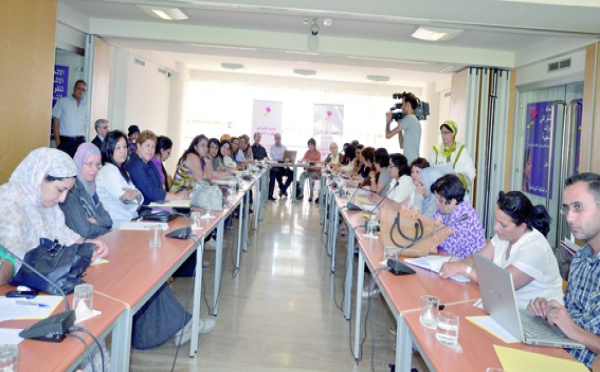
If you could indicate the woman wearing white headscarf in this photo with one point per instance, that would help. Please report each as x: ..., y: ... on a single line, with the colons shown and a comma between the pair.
x: 83, y: 210
x: 455, y: 153
x: 29, y: 207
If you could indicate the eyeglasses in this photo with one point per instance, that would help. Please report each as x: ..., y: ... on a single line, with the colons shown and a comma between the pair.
x: 93, y: 165
x: 576, y: 207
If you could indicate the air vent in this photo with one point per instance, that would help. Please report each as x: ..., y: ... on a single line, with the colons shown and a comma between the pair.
x: 162, y: 71
x: 140, y: 62
x: 447, y: 94
x: 554, y: 66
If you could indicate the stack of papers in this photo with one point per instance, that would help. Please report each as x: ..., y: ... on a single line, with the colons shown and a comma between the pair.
x: 434, y: 263
x: 13, y: 308
x: 141, y: 225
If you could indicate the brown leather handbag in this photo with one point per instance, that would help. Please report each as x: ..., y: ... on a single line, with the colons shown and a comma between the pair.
x: 411, y: 233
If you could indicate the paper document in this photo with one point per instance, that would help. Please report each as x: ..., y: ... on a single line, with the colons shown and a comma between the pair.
x: 10, y: 309
x: 489, y: 324
x: 140, y: 225
x: 10, y: 336
x: 434, y: 263
x: 515, y: 360
x: 171, y: 204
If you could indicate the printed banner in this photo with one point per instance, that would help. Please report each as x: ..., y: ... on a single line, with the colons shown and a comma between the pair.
x: 328, y: 126
x: 61, y: 88
x: 266, y: 120
x: 61, y: 81
x: 537, y: 148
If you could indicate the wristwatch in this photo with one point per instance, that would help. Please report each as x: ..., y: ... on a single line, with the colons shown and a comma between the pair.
x: 468, y: 270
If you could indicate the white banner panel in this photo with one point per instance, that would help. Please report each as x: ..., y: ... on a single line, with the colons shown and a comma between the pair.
x: 328, y: 126
x: 266, y: 120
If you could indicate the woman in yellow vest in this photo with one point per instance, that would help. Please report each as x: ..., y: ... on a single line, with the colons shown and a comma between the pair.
x: 450, y: 151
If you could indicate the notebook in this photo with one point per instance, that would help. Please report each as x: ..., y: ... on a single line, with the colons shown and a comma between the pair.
x: 499, y: 300
x: 290, y: 155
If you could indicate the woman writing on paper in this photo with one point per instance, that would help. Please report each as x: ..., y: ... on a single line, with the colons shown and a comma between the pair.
x: 451, y: 152
x: 521, y: 248
x: 82, y: 208
x: 457, y: 213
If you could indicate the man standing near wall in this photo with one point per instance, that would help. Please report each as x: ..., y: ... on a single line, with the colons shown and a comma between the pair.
x: 101, y: 127
x: 408, y: 129
x: 70, y: 119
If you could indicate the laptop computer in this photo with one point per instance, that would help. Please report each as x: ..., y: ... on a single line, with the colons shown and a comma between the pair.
x: 290, y: 155
x: 499, y: 300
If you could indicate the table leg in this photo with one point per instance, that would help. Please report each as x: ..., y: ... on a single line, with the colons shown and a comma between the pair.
x: 197, y: 298
x: 403, y: 346
x: 121, y: 342
x: 359, y: 287
x: 239, y: 239
x: 218, y: 265
x: 245, y: 222
x: 294, y: 191
x: 349, y: 269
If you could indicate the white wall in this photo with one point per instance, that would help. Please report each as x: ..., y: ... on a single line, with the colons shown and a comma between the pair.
x: 537, y: 75
x: 147, y: 98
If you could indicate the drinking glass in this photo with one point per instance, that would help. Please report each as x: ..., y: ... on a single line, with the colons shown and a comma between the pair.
x: 429, y: 308
x: 83, y: 301
x: 446, y: 329
x: 155, y: 236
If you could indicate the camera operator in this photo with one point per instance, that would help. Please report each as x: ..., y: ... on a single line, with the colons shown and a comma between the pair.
x: 408, y: 129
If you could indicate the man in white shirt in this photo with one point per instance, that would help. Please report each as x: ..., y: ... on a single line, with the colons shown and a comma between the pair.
x: 70, y: 119
x: 277, y: 173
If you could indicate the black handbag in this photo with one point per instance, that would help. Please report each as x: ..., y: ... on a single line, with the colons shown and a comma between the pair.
x: 63, y: 265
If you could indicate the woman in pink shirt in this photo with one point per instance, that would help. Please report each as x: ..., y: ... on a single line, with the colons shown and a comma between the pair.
x: 312, y: 156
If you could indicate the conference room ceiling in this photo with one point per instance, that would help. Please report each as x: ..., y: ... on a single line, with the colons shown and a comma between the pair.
x: 270, y: 37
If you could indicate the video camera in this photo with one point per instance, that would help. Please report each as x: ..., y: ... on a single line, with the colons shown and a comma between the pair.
x: 421, y: 111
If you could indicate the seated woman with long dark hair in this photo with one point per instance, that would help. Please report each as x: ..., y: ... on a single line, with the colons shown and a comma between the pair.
x: 520, y: 247
x: 117, y: 193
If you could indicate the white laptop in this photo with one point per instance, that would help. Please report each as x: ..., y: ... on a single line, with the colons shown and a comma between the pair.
x: 499, y: 300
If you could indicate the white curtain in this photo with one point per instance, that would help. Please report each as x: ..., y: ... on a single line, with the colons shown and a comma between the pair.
x: 487, y: 121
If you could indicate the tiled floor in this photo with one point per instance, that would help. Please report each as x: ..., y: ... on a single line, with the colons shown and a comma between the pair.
x: 281, y: 310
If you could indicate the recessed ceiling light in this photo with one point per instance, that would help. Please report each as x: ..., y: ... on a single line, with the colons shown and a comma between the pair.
x: 303, y: 72
x: 232, y: 66
x: 378, y: 78
x: 169, y: 14
x: 435, y: 34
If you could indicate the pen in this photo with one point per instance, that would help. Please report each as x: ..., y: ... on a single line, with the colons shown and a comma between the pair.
x: 29, y: 303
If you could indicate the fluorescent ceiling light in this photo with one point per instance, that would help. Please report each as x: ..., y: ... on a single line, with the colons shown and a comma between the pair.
x: 232, y: 66
x: 169, y: 14
x: 435, y: 34
x: 302, y: 72
x: 378, y: 78
x: 387, y: 60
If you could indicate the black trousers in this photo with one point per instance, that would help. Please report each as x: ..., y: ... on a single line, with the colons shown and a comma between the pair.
x: 70, y: 144
x: 277, y: 174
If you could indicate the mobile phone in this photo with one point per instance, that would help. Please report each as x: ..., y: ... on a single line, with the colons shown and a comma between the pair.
x: 22, y: 294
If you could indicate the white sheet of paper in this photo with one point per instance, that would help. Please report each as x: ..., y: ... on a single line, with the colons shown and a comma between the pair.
x: 10, y: 336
